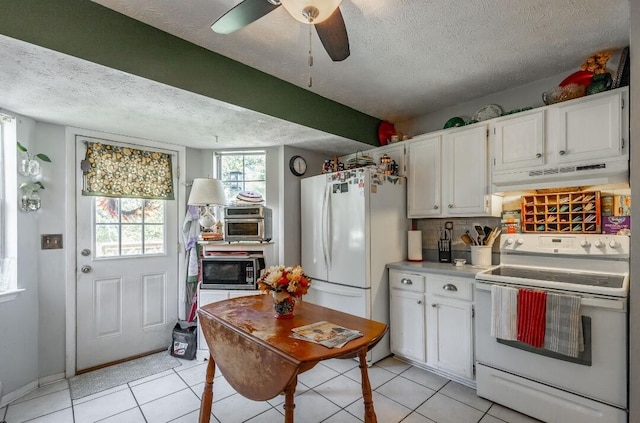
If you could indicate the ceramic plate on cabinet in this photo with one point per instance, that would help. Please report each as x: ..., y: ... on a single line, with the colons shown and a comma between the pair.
x: 489, y: 111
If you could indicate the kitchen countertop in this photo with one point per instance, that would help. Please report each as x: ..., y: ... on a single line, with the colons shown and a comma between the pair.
x: 467, y: 270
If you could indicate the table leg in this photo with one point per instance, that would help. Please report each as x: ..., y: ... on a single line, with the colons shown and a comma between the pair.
x: 369, y: 412
x: 288, y: 400
x: 207, y: 394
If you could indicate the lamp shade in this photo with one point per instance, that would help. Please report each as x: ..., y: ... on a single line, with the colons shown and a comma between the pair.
x: 325, y: 8
x: 206, y: 192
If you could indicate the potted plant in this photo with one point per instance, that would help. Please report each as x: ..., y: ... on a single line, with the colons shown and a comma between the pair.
x: 30, y: 165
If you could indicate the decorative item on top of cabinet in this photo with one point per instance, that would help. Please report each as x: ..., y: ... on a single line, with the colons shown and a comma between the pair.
x: 562, y: 212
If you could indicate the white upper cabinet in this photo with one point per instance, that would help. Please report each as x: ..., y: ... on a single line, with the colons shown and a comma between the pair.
x: 424, y: 172
x: 577, y: 142
x: 589, y: 129
x: 465, y: 164
x: 448, y: 175
x: 519, y: 141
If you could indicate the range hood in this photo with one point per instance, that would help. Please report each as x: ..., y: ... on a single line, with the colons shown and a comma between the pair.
x: 604, y: 172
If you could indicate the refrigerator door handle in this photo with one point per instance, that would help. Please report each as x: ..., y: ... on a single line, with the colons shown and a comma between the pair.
x: 325, y: 224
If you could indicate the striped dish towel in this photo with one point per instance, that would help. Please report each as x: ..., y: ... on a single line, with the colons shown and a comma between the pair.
x: 504, y: 312
x: 564, y: 325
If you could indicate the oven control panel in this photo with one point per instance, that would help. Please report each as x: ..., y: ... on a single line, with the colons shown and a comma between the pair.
x: 579, y: 244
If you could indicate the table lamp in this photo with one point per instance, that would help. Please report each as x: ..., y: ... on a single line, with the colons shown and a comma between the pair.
x: 206, y: 192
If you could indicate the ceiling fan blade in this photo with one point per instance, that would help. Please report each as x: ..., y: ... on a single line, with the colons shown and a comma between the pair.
x: 242, y: 14
x: 333, y: 34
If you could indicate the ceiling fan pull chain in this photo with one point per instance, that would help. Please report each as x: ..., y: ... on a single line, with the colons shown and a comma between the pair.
x: 310, y: 81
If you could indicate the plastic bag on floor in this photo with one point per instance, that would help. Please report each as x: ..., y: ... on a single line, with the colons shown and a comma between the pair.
x: 184, y: 340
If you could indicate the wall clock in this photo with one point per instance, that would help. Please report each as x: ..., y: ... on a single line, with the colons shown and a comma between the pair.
x: 298, y: 165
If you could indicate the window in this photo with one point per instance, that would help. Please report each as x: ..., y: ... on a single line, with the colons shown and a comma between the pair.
x: 129, y: 227
x: 8, y: 209
x: 241, y: 171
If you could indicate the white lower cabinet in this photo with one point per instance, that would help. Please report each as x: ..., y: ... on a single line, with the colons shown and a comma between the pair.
x: 208, y: 296
x: 450, y: 324
x: 407, y: 315
x: 432, y: 322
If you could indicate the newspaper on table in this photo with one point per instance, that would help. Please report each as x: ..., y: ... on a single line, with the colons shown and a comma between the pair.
x: 325, y: 333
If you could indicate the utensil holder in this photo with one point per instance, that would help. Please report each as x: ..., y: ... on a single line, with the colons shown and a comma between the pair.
x: 481, y: 255
x: 444, y: 251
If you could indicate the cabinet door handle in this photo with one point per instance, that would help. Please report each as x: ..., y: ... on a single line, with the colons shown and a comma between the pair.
x: 419, y: 301
x: 434, y: 305
x: 450, y: 206
x: 435, y: 207
x: 450, y: 287
x: 562, y: 152
x: 406, y: 281
x: 538, y: 155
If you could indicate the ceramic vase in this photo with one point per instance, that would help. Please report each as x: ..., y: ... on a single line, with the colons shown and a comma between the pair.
x: 283, y: 303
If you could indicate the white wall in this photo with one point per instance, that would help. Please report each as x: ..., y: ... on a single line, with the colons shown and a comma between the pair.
x: 50, y: 140
x: 529, y: 95
x: 19, y: 318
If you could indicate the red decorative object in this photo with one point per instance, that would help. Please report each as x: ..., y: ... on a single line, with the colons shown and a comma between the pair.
x: 385, y: 130
x: 580, y: 77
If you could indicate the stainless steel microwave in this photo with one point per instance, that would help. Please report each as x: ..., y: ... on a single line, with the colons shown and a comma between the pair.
x: 231, y: 272
x: 248, y: 223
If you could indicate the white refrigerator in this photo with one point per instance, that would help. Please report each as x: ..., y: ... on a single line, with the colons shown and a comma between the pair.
x: 353, y: 223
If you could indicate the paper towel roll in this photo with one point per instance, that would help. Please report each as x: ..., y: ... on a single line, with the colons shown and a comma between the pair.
x: 415, y: 245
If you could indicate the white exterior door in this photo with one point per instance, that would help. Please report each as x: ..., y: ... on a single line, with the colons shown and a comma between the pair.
x: 126, y: 275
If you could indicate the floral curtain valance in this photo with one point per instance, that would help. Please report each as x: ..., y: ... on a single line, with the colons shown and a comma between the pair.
x: 114, y: 171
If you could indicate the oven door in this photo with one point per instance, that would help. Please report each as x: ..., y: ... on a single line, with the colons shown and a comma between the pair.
x: 602, y: 376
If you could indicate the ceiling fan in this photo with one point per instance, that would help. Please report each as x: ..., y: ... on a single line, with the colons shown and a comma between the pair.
x: 325, y: 15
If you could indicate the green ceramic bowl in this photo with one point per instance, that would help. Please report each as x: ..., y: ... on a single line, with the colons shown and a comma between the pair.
x: 453, y: 122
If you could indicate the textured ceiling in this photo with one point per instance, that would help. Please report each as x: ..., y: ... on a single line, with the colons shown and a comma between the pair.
x: 408, y: 58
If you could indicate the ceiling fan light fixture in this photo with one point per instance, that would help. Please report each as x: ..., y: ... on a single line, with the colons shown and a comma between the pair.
x: 299, y: 9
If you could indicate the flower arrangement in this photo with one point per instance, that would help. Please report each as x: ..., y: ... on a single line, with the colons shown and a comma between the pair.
x: 281, y: 279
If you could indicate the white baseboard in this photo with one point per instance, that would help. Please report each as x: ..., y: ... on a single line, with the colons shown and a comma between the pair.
x: 12, y: 396
x: 18, y: 393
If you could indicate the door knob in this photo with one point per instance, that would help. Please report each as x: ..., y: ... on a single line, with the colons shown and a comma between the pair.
x: 85, y: 252
x: 85, y: 269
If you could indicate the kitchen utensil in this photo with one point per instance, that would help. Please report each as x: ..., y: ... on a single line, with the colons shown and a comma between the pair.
x: 480, y: 233
x: 487, y: 231
x: 495, y: 233
x: 466, y: 239
x: 472, y: 238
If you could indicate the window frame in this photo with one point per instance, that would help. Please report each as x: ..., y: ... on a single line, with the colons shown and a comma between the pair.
x: 9, y: 207
x: 217, y: 168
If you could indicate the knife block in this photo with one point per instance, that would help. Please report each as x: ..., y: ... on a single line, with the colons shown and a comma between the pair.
x: 444, y: 251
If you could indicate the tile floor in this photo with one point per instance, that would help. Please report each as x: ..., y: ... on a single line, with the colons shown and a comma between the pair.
x: 328, y: 393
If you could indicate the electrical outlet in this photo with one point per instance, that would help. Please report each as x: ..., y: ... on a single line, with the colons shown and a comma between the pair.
x: 51, y: 241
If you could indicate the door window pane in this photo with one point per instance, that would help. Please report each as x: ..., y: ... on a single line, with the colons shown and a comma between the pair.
x: 129, y: 227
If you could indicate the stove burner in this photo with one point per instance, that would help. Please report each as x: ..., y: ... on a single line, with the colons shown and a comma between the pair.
x: 591, y: 279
